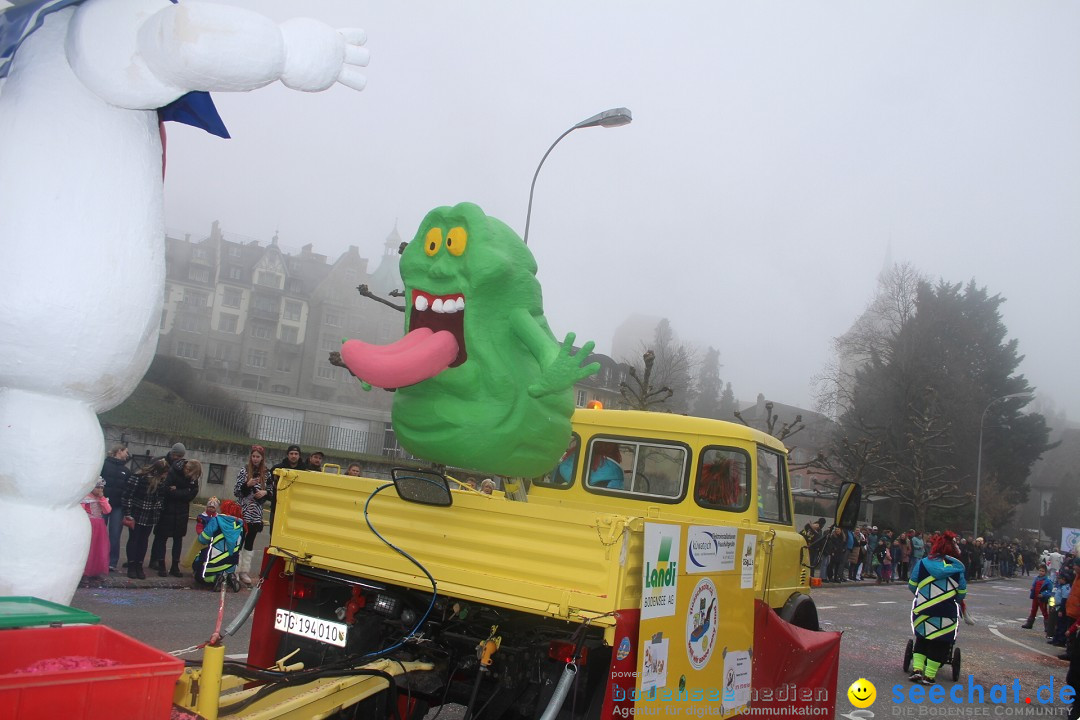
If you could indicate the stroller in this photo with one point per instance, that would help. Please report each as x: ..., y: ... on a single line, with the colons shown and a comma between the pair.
x: 953, y: 661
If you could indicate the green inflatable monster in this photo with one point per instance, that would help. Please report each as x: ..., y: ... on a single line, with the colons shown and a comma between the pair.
x: 483, y: 382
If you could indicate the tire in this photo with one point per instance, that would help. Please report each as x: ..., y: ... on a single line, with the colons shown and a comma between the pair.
x: 909, y: 650
x: 955, y: 662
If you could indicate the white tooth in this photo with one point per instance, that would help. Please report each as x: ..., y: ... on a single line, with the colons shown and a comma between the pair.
x: 460, y: 304
x: 421, y: 303
x: 437, y: 306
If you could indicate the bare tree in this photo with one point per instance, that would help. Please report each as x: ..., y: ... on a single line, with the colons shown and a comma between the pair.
x: 642, y: 395
x: 894, y: 303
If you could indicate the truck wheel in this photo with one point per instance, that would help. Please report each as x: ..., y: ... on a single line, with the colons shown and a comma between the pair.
x: 800, y: 610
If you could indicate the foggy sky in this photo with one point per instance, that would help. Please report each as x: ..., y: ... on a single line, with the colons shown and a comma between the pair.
x: 780, y: 152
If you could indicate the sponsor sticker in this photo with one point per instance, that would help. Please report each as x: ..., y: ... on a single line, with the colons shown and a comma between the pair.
x: 624, y: 649
x: 746, y: 560
x: 660, y: 579
x: 702, y: 617
x: 710, y: 548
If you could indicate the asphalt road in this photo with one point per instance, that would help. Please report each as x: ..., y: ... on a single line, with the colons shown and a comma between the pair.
x: 875, y: 620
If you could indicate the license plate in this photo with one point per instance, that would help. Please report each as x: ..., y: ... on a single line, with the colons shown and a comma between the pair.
x: 331, y: 633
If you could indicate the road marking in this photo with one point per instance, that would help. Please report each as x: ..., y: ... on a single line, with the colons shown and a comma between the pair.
x: 237, y: 656
x: 886, y: 602
x: 858, y: 604
x: 993, y: 629
x: 826, y: 607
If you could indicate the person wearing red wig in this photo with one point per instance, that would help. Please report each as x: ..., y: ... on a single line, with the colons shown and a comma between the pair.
x: 939, y: 586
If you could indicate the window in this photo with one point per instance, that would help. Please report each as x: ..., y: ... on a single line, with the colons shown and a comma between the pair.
x: 194, y: 298
x: 329, y: 343
x: 187, y: 350
x: 235, y: 272
x: 220, y: 350
x: 648, y: 470
x: 227, y: 322
x: 562, y: 475
x: 164, y: 314
x: 289, y: 334
x: 263, y: 332
x: 772, y: 487
x: 293, y: 308
x: 723, y: 481
x: 280, y: 389
x: 198, y: 274
x: 331, y: 318
x: 284, y: 363
x: 231, y: 297
x: 257, y: 358
x: 198, y: 253
x: 269, y: 279
x: 187, y: 323
x: 234, y: 251
x: 216, y: 474
x: 581, y: 399
x: 295, y: 286
x: 325, y: 372
x: 264, y: 304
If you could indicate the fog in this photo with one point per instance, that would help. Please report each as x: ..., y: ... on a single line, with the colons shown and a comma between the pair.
x: 780, y: 154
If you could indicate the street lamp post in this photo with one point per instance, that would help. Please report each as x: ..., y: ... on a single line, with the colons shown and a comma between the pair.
x: 978, y: 465
x: 616, y: 117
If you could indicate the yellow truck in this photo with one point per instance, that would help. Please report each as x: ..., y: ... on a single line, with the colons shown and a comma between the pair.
x: 631, y: 579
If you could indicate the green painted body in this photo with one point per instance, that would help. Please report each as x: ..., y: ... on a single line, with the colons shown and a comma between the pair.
x: 506, y: 408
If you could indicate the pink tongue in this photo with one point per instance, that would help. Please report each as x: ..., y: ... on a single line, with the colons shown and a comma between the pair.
x: 418, y: 356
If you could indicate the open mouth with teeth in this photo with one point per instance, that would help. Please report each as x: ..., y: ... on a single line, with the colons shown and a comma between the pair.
x: 436, y: 341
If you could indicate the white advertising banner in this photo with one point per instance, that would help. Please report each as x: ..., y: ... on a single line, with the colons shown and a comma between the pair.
x: 660, y: 579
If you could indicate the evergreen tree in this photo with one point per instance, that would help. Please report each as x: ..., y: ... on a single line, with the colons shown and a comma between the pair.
x: 923, y: 400
x: 727, y: 404
x: 707, y: 404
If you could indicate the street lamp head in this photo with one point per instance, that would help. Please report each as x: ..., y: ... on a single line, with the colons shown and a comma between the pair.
x: 616, y: 117
x: 1024, y: 395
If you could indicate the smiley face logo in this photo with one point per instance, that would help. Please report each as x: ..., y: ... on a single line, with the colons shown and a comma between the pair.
x: 862, y: 693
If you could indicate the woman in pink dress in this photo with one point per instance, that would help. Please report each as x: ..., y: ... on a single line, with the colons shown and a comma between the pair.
x: 97, y: 506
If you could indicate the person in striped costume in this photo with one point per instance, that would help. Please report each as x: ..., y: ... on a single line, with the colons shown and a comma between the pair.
x: 939, y: 586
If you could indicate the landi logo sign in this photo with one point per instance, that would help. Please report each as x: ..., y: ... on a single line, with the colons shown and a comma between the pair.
x: 661, y: 572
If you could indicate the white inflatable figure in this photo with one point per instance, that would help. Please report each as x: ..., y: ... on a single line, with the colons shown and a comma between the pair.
x: 82, y: 230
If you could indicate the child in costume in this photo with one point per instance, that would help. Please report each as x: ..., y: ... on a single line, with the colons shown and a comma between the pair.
x: 212, y: 506
x: 216, y: 549
x: 1041, y: 589
x: 97, y: 507
x: 937, y: 581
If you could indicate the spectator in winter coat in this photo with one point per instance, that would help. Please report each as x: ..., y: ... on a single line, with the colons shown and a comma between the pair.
x: 115, y: 474
x: 252, y: 490
x: 918, y: 548
x: 293, y: 461
x: 142, y: 500
x: 181, y: 487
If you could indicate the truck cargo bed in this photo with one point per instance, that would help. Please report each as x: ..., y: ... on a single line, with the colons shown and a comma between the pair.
x: 544, y: 558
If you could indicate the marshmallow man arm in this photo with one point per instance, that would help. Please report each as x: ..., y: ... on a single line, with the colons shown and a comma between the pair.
x: 143, y: 54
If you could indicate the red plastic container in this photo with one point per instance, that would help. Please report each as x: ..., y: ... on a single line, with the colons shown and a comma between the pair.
x: 139, y: 687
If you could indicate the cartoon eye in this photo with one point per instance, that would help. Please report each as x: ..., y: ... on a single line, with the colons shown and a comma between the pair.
x: 433, y: 241
x: 456, y: 240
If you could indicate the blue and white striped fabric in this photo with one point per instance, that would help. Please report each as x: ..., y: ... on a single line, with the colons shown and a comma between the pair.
x: 18, y: 21
x: 25, y: 16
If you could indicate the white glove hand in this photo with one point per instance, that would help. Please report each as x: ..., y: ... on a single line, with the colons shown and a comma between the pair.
x: 317, y: 56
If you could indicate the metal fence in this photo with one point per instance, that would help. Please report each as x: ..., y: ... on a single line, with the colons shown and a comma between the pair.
x: 239, y: 426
